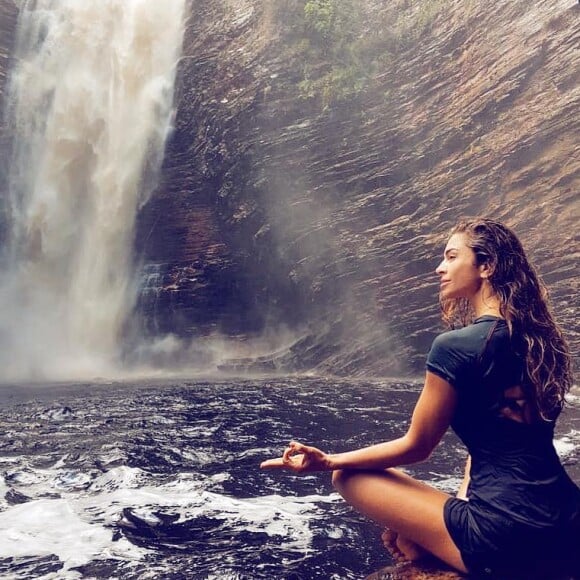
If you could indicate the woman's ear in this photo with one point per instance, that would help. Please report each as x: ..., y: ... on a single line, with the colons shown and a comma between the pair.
x: 485, y: 270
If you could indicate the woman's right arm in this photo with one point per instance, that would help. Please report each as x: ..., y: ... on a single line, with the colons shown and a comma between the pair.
x: 430, y: 420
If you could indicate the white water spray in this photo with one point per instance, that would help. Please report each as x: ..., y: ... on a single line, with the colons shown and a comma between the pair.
x: 90, y: 107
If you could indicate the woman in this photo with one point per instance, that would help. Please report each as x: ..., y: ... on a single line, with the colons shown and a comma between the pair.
x: 500, y: 382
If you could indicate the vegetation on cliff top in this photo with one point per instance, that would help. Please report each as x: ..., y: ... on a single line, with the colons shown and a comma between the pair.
x: 339, y: 53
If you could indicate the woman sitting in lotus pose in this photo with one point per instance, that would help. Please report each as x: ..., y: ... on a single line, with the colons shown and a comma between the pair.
x: 500, y: 382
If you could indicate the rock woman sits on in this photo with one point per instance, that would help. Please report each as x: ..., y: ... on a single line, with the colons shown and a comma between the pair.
x: 499, y: 380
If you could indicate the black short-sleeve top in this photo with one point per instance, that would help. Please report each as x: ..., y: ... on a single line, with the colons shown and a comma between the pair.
x: 515, y: 467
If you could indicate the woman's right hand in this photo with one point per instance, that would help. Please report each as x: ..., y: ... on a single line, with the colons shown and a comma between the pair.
x: 300, y: 459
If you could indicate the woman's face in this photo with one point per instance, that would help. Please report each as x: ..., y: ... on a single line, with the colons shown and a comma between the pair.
x: 460, y: 277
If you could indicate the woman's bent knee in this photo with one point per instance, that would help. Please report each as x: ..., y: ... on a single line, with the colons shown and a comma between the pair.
x: 339, y: 477
x: 342, y: 477
x: 351, y: 481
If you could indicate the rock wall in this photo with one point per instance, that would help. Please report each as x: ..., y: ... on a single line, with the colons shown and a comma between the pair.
x: 316, y: 222
x: 8, y: 18
x: 329, y: 219
x: 8, y: 15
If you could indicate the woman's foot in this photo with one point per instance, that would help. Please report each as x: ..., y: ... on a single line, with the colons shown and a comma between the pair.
x: 405, y: 555
x: 402, y: 549
x: 389, y: 538
x: 411, y: 551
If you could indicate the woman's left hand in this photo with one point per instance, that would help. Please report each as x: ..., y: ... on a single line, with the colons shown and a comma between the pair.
x: 300, y: 459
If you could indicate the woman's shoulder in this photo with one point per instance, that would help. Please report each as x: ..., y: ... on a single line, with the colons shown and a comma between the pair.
x: 470, y: 339
x: 455, y: 354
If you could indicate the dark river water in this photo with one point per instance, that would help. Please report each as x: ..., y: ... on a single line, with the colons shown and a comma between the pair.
x: 161, y: 479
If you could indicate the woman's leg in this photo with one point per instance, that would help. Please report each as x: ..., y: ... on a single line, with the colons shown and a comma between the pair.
x: 411, y: 508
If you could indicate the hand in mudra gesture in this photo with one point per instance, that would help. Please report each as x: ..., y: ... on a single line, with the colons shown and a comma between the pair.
x: 300, y: 459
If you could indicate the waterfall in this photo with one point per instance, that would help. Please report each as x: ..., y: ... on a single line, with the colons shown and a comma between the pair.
x: 89, y: 109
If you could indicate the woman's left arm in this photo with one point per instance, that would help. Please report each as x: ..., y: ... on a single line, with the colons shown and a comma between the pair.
x: 462, y: 492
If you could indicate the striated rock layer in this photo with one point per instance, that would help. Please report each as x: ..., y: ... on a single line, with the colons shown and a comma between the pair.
x: 8, y: 18
x: 316, y: 221
x: 326, y: 221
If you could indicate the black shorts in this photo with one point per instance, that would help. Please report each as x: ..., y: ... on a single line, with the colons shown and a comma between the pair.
x: 495, y: 546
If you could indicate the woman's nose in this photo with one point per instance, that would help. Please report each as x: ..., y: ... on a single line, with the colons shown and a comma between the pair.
x: 441, y: 268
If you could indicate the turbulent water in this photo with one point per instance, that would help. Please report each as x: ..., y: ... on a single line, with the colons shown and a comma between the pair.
x: 89, y: 111
x: 161, y: 480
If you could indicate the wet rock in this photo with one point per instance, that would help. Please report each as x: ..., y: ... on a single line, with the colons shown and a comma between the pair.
x: 8, y: 16
x: 428, y: 567
x: 409, y: 571
x: 14, y: 497
x: 59, y: 414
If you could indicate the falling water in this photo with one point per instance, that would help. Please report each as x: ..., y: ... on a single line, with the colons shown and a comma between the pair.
x: 89, y: 109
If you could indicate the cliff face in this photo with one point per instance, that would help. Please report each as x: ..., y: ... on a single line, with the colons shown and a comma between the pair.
x: 8, y: 17
x: 325, y: 218
x: 316, y: 165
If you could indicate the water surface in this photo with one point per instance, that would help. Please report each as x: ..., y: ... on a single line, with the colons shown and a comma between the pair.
x: 161, y: 479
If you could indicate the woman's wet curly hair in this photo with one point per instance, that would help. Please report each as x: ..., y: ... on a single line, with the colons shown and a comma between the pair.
x: 525, y: 305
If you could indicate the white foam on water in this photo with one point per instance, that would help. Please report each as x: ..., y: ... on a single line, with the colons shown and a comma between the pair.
x: 121, y: 477
x: 282, y: 516
x: 448, y: 484
x: 286, y: 517
x: 573, y: 397
x: 3, y: 490
x: 78, y: 527
x: 567, y: 444
x: 52, y: 526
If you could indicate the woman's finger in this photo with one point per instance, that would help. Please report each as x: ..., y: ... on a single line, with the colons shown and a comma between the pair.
x: 287, y: 455
x: 293, y: 458
x: 297, y: 447
x: 272, y: 463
